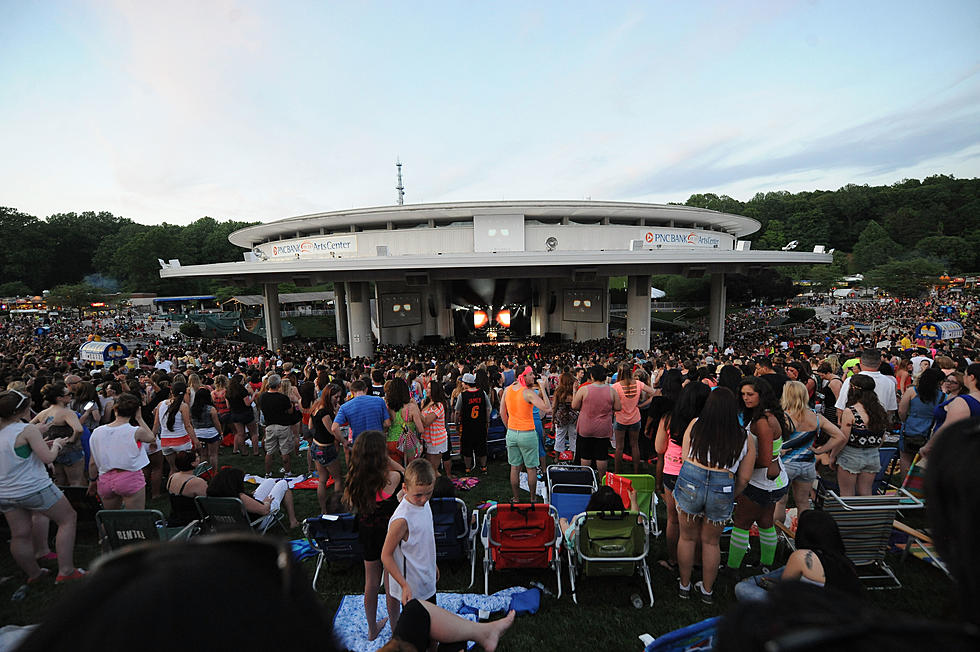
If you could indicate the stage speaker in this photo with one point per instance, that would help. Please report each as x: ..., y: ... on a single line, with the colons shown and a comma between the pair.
x: 432, y: 340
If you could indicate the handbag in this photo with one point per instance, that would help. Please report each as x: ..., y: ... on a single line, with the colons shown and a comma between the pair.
x: 408, y: 440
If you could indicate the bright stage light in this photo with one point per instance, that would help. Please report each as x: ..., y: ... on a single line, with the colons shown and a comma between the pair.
x: 503, y: 317
x: 480, y: 319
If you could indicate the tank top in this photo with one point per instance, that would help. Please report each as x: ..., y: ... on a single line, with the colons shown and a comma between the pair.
x: 797, y: 447
x: 941, y: 415
x: 219, y: 400
x: 673, y: 457
x: 399, y: 425
x: 629, y: 398
x: 519, y: 412
x: 115, y: 447
x: 861, y: 436
x: 919, y: 420
x: 321, y: 434
x: 183, y: 509
x: 759, y: 477
x: 435, y: 432
x: 473, y: 412
x: 19, y: 476
x: 172, y: 438
x: 416, y: 556
x: 595, y: 416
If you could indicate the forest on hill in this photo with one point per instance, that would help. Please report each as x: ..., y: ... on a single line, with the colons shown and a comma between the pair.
x: 900, y: 236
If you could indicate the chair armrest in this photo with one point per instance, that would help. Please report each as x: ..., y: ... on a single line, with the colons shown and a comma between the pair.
x: 912, y: 532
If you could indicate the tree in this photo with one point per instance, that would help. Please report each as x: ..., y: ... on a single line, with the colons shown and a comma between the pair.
x: 774, y: 237
x: 14, y: 289
x: 907, y: 278
x: 956, y: 253
x: 78, y: 295
x: 873, y: 248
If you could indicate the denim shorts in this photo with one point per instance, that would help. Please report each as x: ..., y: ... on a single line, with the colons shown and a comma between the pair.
x: 703, y: 492
x: 800, y: 471
x: 764, y: 496
x: 859, y: 460
x: 37, y: 501
x: 323, y: 455
x: 628, y: 427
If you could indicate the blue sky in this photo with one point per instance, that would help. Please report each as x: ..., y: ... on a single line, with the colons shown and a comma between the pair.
x: 258, y: 110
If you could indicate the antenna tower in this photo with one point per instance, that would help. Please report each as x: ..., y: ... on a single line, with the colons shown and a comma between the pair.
x: 400, y: 188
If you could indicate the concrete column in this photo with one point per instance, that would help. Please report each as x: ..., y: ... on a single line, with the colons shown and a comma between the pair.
x: 340, y: 312
x: 273, y: 320
x: 359, y: 319
x: 444, y: 315
x: 716, y: 310
x: 539, y: 306
x: 430, y: 322
x: 638, y: 313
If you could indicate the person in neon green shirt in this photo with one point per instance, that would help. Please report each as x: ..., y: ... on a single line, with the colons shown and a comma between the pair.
x: 847, y: 369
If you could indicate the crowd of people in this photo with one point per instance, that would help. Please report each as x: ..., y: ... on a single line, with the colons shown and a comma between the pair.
x: 733, y: 434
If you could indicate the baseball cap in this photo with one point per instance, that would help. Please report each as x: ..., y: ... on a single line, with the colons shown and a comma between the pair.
x: 469, y: 379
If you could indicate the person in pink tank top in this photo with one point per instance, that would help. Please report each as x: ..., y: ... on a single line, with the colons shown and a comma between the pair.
x: 633, y: 395
x: 596, y: 404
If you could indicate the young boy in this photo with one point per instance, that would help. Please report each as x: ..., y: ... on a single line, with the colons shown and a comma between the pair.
x: 409, y: 552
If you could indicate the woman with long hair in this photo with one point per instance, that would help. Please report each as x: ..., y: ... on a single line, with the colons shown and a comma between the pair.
x: 819, y: 559
x: 565, y: 416
x: 325, y: 447
x: 964, y: 405
x: 803, y: 445
x: 435, y: 435
x: 371, y: 491
x: 172, y: 421
x: 633, y: 394
x: 88, y: 407
x: 863, y: 422
x: 685, y: 406
x: 241, y: 416
x: 718, y: 458
x: 61, y: 422
x: 406, y: 419
x: 207, y: 425
x: 917, y: 410
x: 766, y: 423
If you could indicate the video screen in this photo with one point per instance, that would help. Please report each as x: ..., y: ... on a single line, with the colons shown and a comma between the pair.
x: 401, y: 309
x: 583, y: 305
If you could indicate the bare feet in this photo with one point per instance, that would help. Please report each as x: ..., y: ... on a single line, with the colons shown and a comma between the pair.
x: 293, y: 524
x: 495, y: 630
x: 377, y: 629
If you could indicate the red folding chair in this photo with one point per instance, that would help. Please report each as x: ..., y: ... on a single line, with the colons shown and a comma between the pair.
x: 520, y: 536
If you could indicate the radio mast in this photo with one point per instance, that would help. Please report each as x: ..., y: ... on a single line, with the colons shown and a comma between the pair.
x: 400, y: 188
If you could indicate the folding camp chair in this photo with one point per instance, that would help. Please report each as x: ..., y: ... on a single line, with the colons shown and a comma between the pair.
x: 645, y: 486
x: 919, y: 543
x: 520, y: 536
x: 496, y: 437
x: 610, y: 544
x: 228, y: 514
x: 455, y: 529
x: 570, y: 488
x: 865, y: 524
x: 334, y: 537
x: 86, y: 506
x: 124, y: 527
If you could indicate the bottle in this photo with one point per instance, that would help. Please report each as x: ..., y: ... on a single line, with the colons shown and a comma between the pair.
x: 636, y: 601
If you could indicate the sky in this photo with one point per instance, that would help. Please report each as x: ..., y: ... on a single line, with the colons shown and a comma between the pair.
x: 170, y: 111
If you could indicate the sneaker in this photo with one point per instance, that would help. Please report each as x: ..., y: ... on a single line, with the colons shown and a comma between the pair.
x: 483, y: 469
x: 682, y: 593
x: 707, y: 598
x: 76, y: 574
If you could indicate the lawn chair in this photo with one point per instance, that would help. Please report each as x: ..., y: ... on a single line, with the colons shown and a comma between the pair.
x: 520, y: 536
x: 86, y: 505
x: 645, y: 486
x: 865, y: 524
x: 919, y: 543
x: 334, y: 537
x: 610, y: 544
x: 496, y: 437
x: 570, y: 488
x: 455, y: 529
x: 228, y: 514
x: 125, y: 527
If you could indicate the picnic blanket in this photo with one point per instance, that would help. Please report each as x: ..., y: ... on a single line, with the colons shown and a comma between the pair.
x: 350, y: 622
x: 539, y: 489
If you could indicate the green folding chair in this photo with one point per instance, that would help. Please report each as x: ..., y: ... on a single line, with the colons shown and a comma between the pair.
x: 610, y: 544
x: 124, y: 527
x: 645, y: 486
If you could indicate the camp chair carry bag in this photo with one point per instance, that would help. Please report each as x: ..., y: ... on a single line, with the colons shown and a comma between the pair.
x: 520, y: 536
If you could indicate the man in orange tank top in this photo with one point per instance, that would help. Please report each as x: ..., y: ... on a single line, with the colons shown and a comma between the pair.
x: 517, y: 413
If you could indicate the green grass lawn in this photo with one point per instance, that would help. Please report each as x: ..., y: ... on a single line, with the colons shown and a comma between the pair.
x: 602, y: 619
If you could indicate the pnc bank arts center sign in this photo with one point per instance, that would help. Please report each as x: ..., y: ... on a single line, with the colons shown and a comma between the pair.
x: 314, y: 246
x: 682, y: 238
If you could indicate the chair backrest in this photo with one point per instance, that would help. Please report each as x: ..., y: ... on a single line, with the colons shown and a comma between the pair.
x: 610, y: 543
x: 222, y: 514
x: 865, y: 522
x: 334, y: 535
x: 582, y: 476
x: 123, y: 527
x: 451, y: 527
x: 915, y: 479
x: 645, y: 486
x: 886, y: 454
x: 522, y: 535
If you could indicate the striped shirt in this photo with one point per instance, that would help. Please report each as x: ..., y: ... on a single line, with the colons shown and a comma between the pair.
x: 435, y: 433
x: 176, y: 437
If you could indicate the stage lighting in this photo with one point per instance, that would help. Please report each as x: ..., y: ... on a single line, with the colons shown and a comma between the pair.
x: 503, y: 317
x: 480, y: 319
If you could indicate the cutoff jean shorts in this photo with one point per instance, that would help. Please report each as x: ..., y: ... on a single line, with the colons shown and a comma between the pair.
x: 704, y: 492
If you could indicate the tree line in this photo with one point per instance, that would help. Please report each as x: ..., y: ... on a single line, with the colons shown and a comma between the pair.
x: 900, y: 236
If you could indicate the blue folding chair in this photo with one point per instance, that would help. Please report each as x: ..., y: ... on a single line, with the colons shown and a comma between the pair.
x: 570, y: 488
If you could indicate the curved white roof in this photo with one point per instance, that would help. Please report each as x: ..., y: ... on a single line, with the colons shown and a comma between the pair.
x: 644, y: 214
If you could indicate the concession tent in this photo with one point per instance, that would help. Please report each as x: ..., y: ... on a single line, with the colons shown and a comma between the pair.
x: 102, y: 352
x: 939, y: 330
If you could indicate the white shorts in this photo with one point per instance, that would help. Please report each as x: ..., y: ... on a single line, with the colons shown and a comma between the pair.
x: 433, y: 449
